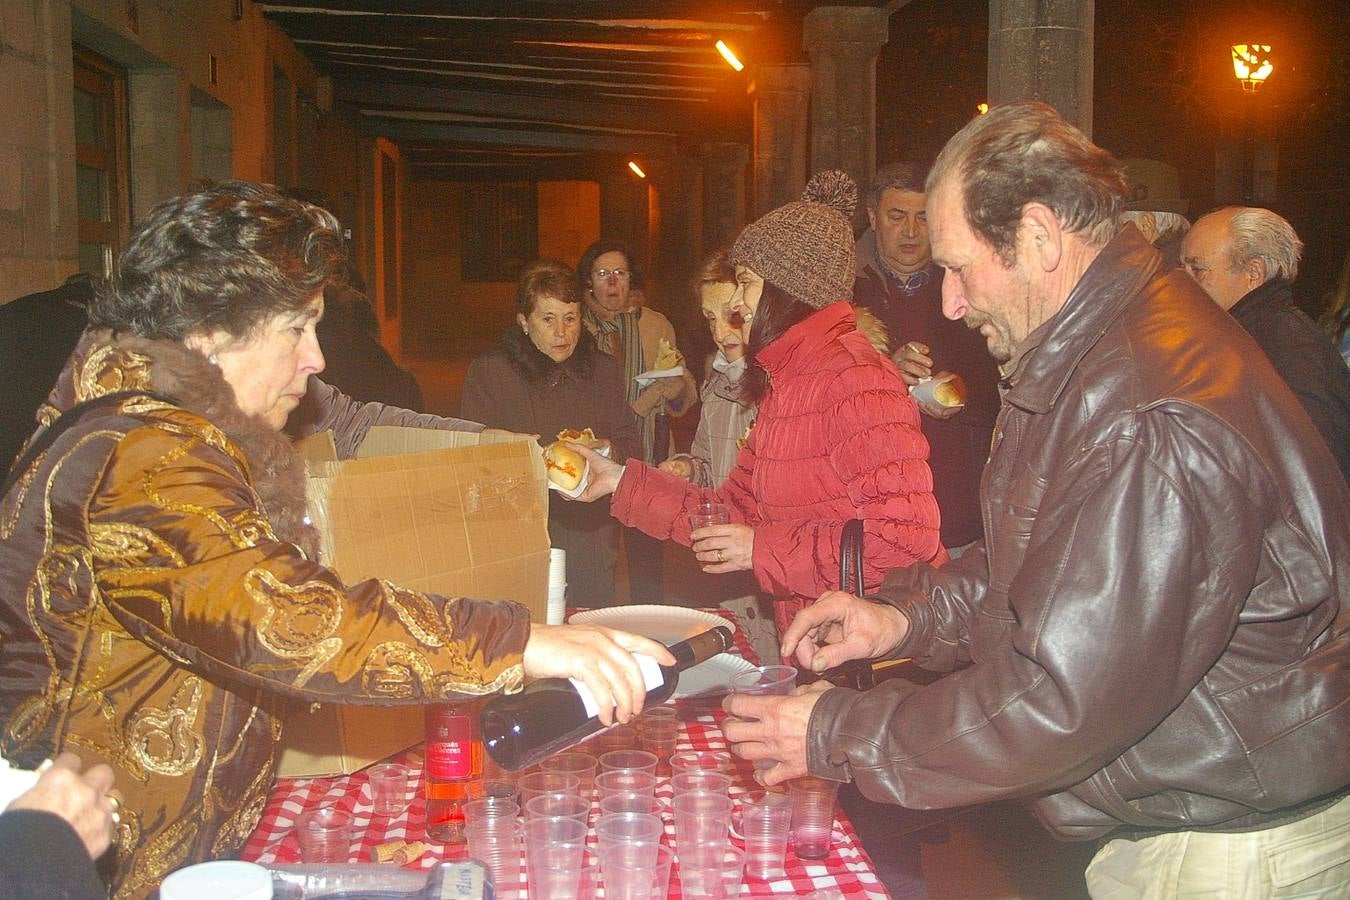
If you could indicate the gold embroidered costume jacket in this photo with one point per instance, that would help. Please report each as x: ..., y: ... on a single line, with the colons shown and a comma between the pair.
x: 158, y: 607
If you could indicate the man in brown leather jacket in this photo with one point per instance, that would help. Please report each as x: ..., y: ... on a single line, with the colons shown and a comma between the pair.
x: 1151, y: 644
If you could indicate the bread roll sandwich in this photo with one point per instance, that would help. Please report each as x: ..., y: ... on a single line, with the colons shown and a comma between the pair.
x: 565, y: 466
x: 951, y: 392
x: 667, y: 357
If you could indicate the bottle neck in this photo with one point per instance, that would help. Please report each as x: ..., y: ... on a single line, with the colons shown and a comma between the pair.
x: 700, y: 647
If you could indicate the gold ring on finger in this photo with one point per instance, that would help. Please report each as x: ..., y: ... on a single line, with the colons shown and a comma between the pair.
x: 721, y: 556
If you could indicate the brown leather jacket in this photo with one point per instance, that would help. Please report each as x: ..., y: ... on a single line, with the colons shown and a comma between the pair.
x: 156, y: 607
x: 1155, y: 633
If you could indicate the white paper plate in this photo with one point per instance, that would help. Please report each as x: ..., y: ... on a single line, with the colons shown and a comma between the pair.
x: 667, y: 624
x: 712, y: 676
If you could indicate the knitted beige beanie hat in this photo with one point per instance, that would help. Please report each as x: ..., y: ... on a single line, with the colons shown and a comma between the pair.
x: 806, y: 247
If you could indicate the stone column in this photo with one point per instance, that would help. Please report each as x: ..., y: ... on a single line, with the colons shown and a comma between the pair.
x: 843, y: 42
x: 1042, y: 50
x: 723, y: 193
x: 780, y: 95
x: 676, y: 183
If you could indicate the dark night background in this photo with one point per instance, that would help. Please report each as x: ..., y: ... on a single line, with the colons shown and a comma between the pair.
x: 1164, y: 89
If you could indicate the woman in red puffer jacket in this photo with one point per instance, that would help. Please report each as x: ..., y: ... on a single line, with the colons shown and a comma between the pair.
x: 837, y: 436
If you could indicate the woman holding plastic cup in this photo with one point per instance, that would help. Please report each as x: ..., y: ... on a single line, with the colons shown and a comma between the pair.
x: 837, y: 436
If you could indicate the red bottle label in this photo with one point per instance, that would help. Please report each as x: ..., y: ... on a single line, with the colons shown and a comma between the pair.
x: 450, y: 750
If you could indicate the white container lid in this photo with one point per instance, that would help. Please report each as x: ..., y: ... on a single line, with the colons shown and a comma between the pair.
x: 218, y: 880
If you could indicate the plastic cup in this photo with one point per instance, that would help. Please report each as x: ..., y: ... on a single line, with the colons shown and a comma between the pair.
x: 773, y: 681
x: 562, y: 870
x: 618, y: 781
x: 536, y: 783
x: 700, y: 761
x: 575, y: 763
x: 653, y: 713
x: 639, y: 760
x: 497, y: 842
x: 630, y: 802
x: 658, y: 736
x: 708, y: 512
x: 636, y: 871
x: 325, y: 835
x: 490, y: 808
x: 493, y: 789
x: 812, y: 816
x: 543, y: 831
x: 615, y: 737
x: 707, y: 782
x: 711, y: 871
x: 388, y: 788
x: 766, y: 822
x: 627, y: 828
x: 702, y: 817
x: 568, y: 806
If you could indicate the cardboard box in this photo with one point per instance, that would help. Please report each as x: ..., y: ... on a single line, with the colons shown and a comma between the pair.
x: 443, y: 512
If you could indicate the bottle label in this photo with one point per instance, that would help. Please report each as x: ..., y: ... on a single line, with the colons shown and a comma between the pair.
x: 651, y: 676
x: 450, y: 755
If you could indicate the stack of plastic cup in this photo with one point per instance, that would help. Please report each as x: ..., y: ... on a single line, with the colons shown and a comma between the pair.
x: 536, y: 783
x: 562, y: 870
x: 766, y: 822
x: 497, y: 842
x: 700, y: 761
x: 627, y: 828
x: 658, y: 729
x: 562, y: 806
x: 630, y: 802
x: 556, y: 610
x: 638, y: 760
x: 812, y: 816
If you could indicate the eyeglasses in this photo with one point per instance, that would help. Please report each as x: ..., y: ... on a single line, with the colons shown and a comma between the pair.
x: 602, y: 274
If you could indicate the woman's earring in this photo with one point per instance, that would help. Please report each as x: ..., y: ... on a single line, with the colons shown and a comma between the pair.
x: 213, y: 360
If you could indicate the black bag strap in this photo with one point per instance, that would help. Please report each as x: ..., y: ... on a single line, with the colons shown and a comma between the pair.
x: 851, y: 558
x: 64, y: 422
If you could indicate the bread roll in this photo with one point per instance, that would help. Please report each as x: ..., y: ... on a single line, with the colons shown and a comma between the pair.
x: 565, y: 466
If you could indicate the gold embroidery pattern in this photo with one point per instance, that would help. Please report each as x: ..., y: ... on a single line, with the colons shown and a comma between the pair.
x: 167, y: 741
x: 297, y: 622
x: 168, y: 850
x: 125, y: 544
x: 391, y: 669
x: 417, y: 613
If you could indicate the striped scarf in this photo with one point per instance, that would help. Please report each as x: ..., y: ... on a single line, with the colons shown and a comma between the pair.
x: 619, y: 337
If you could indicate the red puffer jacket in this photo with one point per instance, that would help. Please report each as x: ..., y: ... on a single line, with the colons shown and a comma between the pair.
x: 837, y: 438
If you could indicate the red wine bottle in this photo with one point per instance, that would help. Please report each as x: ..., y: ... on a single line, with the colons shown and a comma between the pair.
x: 454, y: 757
x: 552, y: 714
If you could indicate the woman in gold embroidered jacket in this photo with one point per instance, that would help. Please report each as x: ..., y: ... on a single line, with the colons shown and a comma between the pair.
x: 159, y: 594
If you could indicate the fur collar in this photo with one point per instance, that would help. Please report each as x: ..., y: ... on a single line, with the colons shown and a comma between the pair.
x: 104, y: 363
x: 538, y: 368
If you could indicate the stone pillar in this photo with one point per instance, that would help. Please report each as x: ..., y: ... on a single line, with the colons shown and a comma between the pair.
x: 723, y: 194
x: 1042, y: 50
x: 780, y: 95
x: 843, y: 42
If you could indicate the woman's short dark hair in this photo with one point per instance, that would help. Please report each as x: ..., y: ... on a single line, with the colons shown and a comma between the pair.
x: 598, y: 249
x: 546, y: 278
x: 716, y: 269
x: 228, y: 257
x: 777, y: 312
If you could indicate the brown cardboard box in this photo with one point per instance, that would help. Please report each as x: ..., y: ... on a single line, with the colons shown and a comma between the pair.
x: 439, y: 511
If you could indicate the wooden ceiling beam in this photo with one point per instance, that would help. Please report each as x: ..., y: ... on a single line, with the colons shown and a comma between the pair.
x: 712, y: 11
x: 446, y: 33
x: 454, y: 133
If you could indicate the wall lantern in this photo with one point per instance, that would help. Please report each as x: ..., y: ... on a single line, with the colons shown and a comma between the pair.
x: 1252, y: 65
x: 730, y: 57
x: 981, y: 108
x: 637, y: 170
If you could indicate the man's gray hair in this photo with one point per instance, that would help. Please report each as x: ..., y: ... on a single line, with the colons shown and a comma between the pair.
x: 1261, y: 234
x: 1021, y: 153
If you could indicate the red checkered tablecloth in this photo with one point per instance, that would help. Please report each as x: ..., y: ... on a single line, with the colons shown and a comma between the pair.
x: 847, y: 869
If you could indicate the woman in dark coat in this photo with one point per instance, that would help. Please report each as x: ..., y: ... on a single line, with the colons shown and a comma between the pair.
x: 542, y: 379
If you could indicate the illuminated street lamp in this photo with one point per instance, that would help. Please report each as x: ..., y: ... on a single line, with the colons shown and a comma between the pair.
x: 1252, y: 65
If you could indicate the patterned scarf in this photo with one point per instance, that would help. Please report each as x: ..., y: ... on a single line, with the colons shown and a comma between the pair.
x: 619, y: 338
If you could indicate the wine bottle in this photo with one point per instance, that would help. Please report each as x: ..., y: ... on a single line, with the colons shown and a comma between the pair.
x: 454, y: 757
x: 552, y: 714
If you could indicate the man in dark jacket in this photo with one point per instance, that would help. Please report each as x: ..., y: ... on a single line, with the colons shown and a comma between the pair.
x: 1246, y: 259
x: 896, y: 280
x: 1151, y: 643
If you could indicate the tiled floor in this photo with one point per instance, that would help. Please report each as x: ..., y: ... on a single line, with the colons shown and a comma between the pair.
x: 998, y: 851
